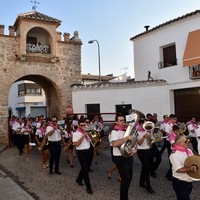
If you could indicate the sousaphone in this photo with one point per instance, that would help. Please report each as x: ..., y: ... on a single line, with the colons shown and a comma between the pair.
x: 193, y: 160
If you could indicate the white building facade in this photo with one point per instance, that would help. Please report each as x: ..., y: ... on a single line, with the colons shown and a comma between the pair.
x: 173, y: 86
x: 27, y: 100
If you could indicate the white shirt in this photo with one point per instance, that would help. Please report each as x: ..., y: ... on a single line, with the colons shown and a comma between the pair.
x: 17, y: 126
x: 197, y: 132
x: 116, y: 135
x: 145, y: 144
x: 25, y: 129
x: 85, y: 144
x: 177, y: 160
x: 191, y: 128
x: 56, y: 136
x: 163, y: 126
x: 39, y: 133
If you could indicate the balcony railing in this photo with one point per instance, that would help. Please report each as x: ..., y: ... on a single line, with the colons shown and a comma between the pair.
x: 194, y: 72
x: 37, y: 48
x: 163, y: 64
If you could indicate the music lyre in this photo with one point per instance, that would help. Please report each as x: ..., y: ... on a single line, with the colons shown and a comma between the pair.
x: 35, y: 3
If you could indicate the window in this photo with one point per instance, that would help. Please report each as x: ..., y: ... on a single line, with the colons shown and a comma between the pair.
x: 29, y: 89
x: 168, y: 55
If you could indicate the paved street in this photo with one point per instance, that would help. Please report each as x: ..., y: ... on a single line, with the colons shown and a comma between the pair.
x: 24, y: 180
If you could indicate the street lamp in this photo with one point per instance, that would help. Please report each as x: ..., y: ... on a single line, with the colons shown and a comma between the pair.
x: 90, y: 42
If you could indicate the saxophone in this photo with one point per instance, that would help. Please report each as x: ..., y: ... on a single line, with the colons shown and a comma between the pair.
x: 42, y: 144
x: 69, y: 144
x: 132, y: 120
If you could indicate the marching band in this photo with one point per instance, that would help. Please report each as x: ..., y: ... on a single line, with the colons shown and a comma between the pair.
x: 141, y: 137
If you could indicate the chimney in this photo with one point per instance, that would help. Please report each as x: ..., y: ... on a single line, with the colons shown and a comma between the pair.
x: 147, y: 27
x: 2, y: 29
x: 66, y: 37
x: 11, y: 30
x: 59, y: 36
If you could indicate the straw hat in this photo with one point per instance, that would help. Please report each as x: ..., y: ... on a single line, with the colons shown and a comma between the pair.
x: 193, y: 160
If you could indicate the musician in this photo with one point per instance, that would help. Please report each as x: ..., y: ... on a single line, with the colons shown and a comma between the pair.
x: 166, y: 144
x: 181, y: 182
x: 26, y: 131
x: 91, y: 150
x: 173, y: 134
x: 82, y: 144
x: 124, y: 165
x: 97, y: 124
x: 67, y: 129
x: 39, y: 137
x: 17, y: 127
x: 54, y: 139
x: 192, y: 126
x: 168, y: 129
x: 156, y: 156
x: 145, y: 156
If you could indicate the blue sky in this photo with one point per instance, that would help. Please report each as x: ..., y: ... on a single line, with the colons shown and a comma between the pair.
x: 111, y: 22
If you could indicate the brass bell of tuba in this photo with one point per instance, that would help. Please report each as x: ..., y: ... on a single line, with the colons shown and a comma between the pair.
x: 132, y: 121
x: 153, y: 137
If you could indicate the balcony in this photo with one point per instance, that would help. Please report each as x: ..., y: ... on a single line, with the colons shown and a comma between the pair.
x: 194, y: 72
x: 38, y: 48
x: 163, y: 64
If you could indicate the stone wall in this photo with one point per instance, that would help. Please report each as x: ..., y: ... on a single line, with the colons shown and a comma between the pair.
x: 54, y: 72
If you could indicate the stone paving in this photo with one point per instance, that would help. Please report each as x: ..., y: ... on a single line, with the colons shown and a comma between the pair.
x: 29, y: 180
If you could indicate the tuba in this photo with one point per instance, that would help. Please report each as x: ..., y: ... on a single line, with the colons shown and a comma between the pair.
x: 149, y: 127
x: 132, y: 120
x: 182, y: 128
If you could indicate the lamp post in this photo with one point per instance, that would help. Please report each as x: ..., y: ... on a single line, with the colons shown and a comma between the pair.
x: 90, y: 42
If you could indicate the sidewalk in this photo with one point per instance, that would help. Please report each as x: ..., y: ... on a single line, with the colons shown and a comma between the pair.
x: 9, y: 190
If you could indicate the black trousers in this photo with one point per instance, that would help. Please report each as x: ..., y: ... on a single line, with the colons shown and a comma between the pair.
x: 145, y: 157
x: 84, y: 160
x: 55, y: 151
x: 156, y: 157
x: 167, y: 146
x: 20, y: 142
x: 182, y: 189
x: 194, y: 143
x: 125, y: 167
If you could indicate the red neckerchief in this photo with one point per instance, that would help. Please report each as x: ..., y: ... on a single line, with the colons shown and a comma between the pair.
x: 119, y: 128
x: 194, y: 125
x: 43, y: 130
x: 52, y: 125
x: 139, y: 127
x: 82, y: 131
x: 165, y: 121
x: 177, y: 147
x: 27, y: 128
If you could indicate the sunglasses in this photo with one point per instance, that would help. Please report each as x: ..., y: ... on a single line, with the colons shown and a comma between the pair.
x: 82, y: 125
x: 122, y: 120
x: 54, y: 120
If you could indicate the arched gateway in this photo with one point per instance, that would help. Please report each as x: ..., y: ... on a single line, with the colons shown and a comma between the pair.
x: 34, y: 51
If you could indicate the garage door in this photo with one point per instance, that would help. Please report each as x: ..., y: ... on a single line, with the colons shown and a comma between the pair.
x: 187, y: 104
x: 37, y: 111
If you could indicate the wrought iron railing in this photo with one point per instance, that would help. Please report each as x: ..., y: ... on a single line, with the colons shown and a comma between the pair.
x: 163, y: 64
x: 194, y: 72
x: 37, y: 48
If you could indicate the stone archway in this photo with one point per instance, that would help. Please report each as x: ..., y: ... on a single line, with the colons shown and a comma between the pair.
x: 51, y: 90
x: 53, y: 70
